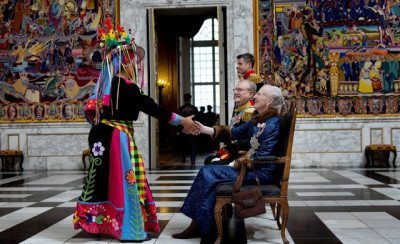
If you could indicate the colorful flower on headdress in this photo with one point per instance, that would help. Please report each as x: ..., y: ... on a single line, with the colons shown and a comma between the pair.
x: 111, y: 38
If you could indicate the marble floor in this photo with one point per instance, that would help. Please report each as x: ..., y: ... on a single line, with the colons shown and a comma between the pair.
x: 327, y: 205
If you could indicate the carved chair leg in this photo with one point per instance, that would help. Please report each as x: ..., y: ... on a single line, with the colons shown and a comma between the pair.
x: 273, y: 209
x: 278, y: 215
x: 285, y: 216
x: 218, y: 219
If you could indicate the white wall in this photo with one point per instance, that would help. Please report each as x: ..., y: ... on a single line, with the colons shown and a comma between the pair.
x: 341, y: 141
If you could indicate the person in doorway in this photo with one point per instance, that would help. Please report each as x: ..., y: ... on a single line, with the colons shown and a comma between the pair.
x: 210, y: 118
x: 116, y: 197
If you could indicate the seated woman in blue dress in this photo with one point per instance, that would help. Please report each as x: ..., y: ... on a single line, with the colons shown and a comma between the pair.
x: 265, y: 128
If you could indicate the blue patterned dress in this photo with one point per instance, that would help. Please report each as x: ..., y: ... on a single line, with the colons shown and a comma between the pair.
x: 199, y: 204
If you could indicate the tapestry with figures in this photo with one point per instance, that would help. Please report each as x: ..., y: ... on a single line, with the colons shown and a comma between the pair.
x: 49, y: 60
x: 335, y: 57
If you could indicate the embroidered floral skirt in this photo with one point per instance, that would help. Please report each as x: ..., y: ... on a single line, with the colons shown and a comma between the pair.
x: 116, y: 198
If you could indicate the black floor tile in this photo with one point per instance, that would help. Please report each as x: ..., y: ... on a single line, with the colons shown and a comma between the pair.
x: 34, y: 225
x: 45, y: 204
x: 316, y: 241
x: 4, y: 211
x: 303, y: 225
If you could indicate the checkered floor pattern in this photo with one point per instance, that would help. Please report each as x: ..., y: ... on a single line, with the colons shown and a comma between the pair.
x: 327, y: 205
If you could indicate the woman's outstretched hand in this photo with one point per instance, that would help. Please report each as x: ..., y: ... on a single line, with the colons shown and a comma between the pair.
x: 205, y: 129
x: 189, y: 126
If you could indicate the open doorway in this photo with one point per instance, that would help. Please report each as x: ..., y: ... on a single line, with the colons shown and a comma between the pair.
x: 189, y: 55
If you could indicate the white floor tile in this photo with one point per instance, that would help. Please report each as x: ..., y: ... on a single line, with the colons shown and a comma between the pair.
x: 64, y: 197
x: 364, y: 233
x: 320, y: 194
x: 384, y: 202
x: 89, y: 241
x: 353, y: 203
x: 310, y: 194
x: 318, y: 203
x: 372, y: 215
x: 14, y: 195
x: 361, y: 241
x: 32, y: 210
x: 344, y: 224
x: 15, y: 204
x: 386, y: 224
x: 67, y: 205
x: 297, y: 204
x: 42, y: 241
x: 389, y: 233
x: 169, y: 194
x: 177, y: 241
x: 164, y: 216
x: 17, y: 178
x: 394, y: 241
x: 168, y: 204
x: 335, y: 215
x: 55, y: 180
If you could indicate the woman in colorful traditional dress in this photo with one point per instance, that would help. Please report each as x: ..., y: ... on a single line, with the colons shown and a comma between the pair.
x: 116, y: 197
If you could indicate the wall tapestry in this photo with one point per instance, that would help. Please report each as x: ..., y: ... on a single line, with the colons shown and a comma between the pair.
x: 49, y: 61
x: 335, y: 57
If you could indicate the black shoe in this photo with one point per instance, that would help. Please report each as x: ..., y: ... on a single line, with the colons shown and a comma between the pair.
x: 186, y: 234
x: 190, y: 232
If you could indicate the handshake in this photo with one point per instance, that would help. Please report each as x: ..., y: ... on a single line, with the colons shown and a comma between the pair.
x: 195, y: 127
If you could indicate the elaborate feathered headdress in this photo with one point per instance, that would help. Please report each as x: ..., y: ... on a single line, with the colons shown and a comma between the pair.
x: 117, y: 48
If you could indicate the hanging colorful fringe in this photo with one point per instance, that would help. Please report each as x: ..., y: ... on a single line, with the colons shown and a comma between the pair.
x: 119, y: 48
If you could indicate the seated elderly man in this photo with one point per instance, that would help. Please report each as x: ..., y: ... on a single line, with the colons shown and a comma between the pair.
x: 264, y: 129
x: 243, y: 93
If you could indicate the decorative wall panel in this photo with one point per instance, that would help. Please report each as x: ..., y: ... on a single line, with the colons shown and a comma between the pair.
x: 338, y: 58
x: 49, y: 59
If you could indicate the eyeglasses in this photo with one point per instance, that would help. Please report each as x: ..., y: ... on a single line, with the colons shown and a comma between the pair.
x: 239, y: 89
